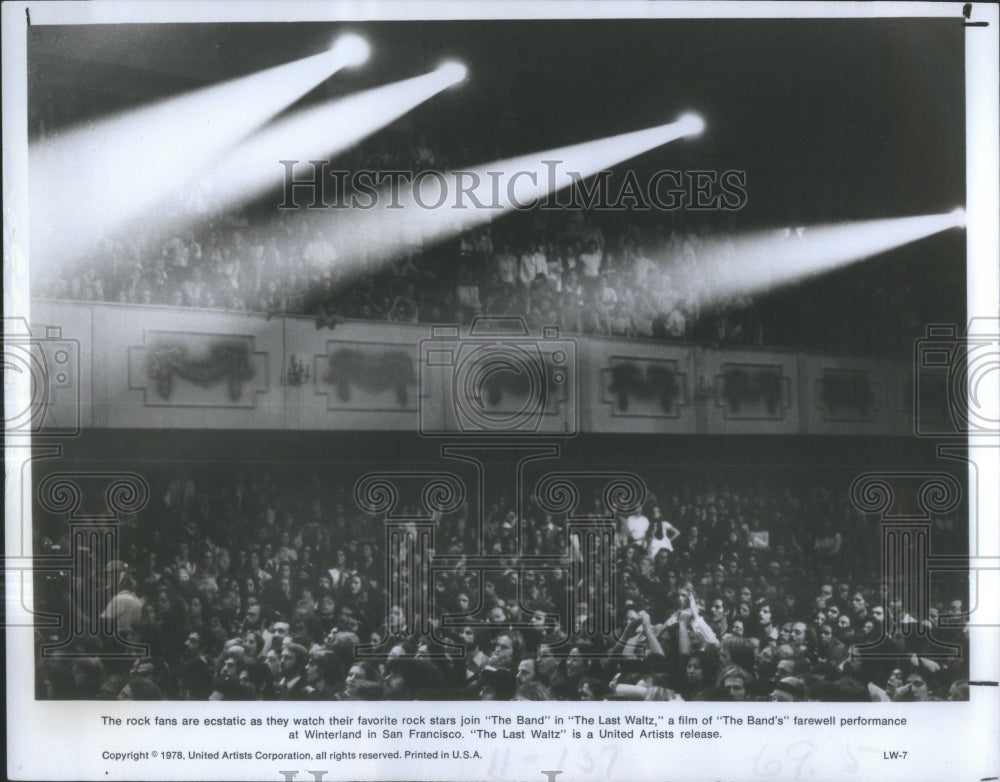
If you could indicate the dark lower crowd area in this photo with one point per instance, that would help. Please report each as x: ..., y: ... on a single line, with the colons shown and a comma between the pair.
x: 253, y: 574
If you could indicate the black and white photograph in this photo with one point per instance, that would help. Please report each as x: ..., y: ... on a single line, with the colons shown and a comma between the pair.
x: 369, y: 356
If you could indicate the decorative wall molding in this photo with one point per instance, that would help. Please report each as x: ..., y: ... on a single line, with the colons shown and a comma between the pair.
x: 368, y: 376
x: 634, y: 386
x: 200, y: 369
x: 753, y: 391
x: 189, y: 369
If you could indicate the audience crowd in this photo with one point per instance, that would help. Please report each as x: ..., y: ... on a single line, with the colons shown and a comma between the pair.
x: 271, y: 585
x: 574, y: 278
x: 613, y: 273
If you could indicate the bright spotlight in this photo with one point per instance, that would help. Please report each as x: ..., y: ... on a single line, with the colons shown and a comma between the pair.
x: 353, y: 50
x: 767, y: 260
x: 959, y: 217
x: 454, y: 72
x: 103, y: 178
x: 690, y: 124
x: 314, y: 133
x: 434, y: 206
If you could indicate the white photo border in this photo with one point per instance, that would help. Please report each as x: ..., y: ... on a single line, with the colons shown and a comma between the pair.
x: 65, y: 740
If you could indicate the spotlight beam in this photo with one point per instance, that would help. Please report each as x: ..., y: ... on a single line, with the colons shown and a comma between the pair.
x: 764, y: 261
x: 315, y: 133
x: 537, y: 177
x: 364, y: 238
x: 94, y: 179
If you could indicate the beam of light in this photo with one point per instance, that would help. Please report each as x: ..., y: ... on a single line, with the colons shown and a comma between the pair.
x: 764, y: 261
x: 352, y: 49
x: 454, y: 71
x: 93, y: 180
x: 530, y: 178
x: 364, y: 238
x: 316, y: 133
x: 692, y: 124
